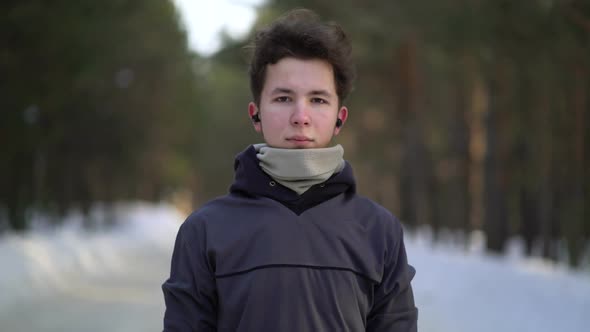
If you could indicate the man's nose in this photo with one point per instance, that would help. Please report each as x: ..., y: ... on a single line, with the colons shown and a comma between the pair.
x: 300, y: 116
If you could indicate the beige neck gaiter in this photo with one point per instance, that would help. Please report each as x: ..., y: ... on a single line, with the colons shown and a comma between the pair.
x: 299, y: 169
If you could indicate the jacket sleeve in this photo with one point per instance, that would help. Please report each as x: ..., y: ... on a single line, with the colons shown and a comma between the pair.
x: 393, y: 305
x: 190, y: 292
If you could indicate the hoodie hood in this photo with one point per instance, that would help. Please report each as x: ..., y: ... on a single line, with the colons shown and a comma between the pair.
x: 252, y: 181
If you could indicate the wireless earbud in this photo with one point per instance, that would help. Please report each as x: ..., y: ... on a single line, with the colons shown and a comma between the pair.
x: 338, y: 123
x: 256, y: 117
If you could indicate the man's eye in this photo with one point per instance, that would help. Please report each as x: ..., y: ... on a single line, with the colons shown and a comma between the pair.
x: 282, y: 99
x: 319, y: 101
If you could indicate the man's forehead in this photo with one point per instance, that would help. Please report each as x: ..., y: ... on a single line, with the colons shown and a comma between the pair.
x: 301, y: 76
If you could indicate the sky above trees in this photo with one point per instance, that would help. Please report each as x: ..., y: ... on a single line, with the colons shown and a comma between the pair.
x: 206, y: 20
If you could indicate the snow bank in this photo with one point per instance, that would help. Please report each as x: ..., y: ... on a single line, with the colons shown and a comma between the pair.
x: 45, y: 261
x: 465, y: 289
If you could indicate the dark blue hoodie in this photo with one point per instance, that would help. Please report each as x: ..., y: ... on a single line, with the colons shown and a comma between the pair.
x: 264, y: 258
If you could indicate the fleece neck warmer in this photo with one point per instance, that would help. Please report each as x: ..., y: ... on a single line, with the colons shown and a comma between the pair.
x: 300, y: 169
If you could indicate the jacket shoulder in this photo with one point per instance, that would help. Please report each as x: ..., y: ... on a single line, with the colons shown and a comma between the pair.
x: 208, y: 210
x: 220, y: 208
x: 369, y: 205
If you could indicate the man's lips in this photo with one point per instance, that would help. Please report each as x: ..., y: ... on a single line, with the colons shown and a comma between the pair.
x: 299, y: 139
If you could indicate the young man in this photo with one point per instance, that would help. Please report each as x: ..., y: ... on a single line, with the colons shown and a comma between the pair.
x: 292, y: 247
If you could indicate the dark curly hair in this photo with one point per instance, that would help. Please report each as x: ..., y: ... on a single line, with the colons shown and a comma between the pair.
x: 301, y: 34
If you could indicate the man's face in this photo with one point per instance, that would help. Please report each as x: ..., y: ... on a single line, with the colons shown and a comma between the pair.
x: 298, y: 105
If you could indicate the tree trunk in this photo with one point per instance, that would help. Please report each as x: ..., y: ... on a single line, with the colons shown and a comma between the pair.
x: 495, y: 211
x: 416, y: 178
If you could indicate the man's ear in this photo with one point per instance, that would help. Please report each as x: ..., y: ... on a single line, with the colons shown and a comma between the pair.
x: 254, y: 114
x: 342, y: 116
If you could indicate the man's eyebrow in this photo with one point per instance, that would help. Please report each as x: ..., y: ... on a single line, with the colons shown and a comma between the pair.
x: 324, y: 93
x: 281, y: 90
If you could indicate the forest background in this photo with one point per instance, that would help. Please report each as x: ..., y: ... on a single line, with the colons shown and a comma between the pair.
x: 468, y: 115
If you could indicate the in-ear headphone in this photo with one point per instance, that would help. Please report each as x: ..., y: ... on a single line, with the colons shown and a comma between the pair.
x: 338, y: 123
x: 256, y: 117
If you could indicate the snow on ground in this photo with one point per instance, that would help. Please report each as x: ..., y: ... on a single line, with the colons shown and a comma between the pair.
x: 73, y: 280
x: 466, y: 290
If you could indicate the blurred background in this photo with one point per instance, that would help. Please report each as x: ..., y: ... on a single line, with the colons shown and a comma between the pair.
x: 469, y: 120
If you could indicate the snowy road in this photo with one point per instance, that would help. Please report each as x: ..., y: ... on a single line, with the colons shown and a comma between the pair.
x: 70, y: 281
